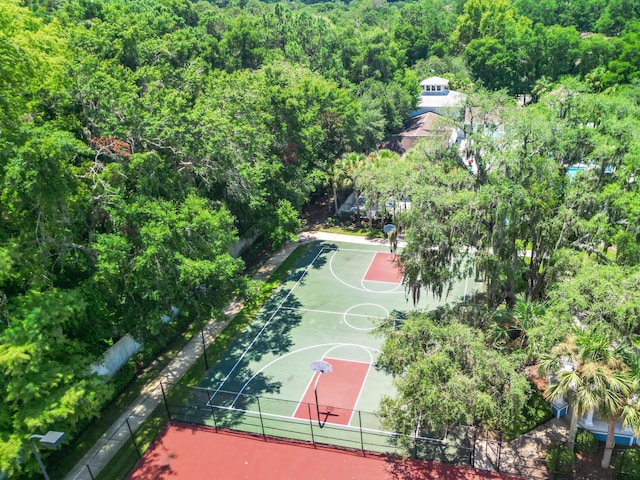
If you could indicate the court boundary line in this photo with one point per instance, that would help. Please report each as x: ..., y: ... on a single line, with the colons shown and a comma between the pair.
x: 347, y: 360
x: 306, y: 270
x: 346, y: 249
x: 306, y: 421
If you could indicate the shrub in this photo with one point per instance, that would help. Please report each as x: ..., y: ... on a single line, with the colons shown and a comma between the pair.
x: 559, y: 459
x: 535, y: 412
x: 586, y: 442
x: 123, y: 377
x: 628, y: 464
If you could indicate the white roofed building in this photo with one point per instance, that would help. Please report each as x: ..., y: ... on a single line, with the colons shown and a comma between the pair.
x: 437, y: 98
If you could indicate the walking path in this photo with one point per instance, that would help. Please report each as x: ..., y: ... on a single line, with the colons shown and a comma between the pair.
x: 150, y: 397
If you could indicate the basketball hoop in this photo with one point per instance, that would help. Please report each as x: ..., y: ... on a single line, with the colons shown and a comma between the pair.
x: 322, y: 367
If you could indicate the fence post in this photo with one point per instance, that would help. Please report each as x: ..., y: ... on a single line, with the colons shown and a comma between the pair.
x: 361, y: 435
x: 499, y: 450
x: 213, y: 410
x: 133, y: 438
x: 204, y: 350
x: 313, y: 438
x: 472, y: 453
x: 166, y: 404
x: 264, y: 436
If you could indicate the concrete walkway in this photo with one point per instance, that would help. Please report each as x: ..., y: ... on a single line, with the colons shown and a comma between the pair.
x: 118, y: 434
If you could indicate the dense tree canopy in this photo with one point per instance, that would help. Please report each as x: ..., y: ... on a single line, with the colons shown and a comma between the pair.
x: 141, y: 139
x: 437, y: 362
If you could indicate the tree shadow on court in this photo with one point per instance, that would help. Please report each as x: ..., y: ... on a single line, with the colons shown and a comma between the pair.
x: 236, y: 379
x: 311, y: 259
x: 154, y: 464
x: 268, y: 333
x: 404, y: 468
x: 271, y: 333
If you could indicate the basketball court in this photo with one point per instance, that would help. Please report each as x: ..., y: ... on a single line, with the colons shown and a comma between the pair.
x: 191, y: 452
x: 327, y: 311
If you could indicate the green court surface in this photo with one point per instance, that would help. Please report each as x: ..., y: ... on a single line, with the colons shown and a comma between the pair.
x: 325, y: 310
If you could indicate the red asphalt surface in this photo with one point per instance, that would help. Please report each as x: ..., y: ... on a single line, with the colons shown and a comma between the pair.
x: 383, y: 268
x: 338, y: 390
x: 190, y: 452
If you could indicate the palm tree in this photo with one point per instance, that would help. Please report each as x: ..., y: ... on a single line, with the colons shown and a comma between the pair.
x: 338, y: 179
x: 590, y: 372
x: 625, y: 406
x: 511, y: 327
x: 350, y: 164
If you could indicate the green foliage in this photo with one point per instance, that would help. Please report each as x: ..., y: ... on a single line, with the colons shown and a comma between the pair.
x: 628, y: 463
x: 288, y: 225
x: 559, y: 458
x: 435, y: 364
x: 123, y: 377
x: 44, y: 374
x: 603, y: 294
x: 535, y: 412
x: 586, y: 442
x: 141, y: 139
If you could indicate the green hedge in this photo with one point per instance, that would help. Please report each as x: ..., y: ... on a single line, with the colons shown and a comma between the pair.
x: 559, y: 459
x: 586, y: 442
x: 628, y: 464
x: 535, y: 412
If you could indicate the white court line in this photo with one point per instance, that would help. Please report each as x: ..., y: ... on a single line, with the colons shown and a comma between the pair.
x: 306, y: 421
x: 345, y: 360
x: 383, y: 282
x: 353, y: 410
x: 344, y: 316
x: 354, y: 250
x: 338, y: 313
x: 365, y: 348
x: 336, y: 426
x: 264, y: 326
x: 373, y: 259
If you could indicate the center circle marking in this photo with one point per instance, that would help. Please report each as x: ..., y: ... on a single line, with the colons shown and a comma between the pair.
x: 365, y: 317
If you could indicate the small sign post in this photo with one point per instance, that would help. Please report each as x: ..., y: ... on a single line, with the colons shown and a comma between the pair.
x: 322, y: 367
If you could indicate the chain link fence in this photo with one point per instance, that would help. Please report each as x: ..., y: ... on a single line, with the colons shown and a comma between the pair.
x: 519, y: 455
x: 523, y: 456
x: 122, y: 437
